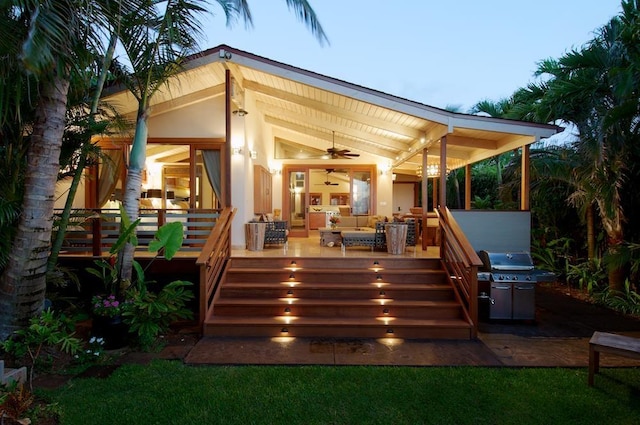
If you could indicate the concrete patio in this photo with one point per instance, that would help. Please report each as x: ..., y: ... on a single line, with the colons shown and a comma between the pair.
x: 559, y: 337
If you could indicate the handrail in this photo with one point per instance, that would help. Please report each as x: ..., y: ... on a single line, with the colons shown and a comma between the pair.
x: 212, y: 260
x: 461, y: 263
x: 92, y: 231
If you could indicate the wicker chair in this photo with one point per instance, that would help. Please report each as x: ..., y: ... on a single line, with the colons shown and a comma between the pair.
x: 381, y: 239
x: 412, y: 234
x: 276, y: 232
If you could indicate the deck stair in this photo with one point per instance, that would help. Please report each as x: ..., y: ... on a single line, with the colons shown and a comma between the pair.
x: 337, y: 297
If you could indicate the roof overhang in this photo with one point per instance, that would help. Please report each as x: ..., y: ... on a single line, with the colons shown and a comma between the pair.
x: 310, y: 109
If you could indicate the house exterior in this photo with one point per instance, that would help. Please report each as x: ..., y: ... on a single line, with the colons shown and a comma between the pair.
x: 236, y: 129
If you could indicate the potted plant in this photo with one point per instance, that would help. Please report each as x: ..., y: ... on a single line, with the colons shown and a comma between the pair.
x: 107, y: 306
x: 334, y: 221
x: 108, y: 322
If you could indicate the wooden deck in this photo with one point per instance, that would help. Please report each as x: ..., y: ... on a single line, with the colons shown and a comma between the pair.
x: 310, y: 247
x: 302, y: 288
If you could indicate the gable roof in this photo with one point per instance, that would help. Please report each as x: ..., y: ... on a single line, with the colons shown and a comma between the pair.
x: 309, y: 109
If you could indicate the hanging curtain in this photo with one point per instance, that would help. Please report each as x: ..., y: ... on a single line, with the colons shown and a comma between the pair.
x: 110, y: 171
x: 211, y: 160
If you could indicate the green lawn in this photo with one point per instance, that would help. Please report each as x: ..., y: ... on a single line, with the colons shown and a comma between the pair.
x: 171, y: 393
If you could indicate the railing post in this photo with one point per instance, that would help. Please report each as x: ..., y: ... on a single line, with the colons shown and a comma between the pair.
x: 473, y: 302
x: 96, y: 228
x: 161, y: 217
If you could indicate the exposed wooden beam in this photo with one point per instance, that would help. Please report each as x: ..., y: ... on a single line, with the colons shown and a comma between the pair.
x: 326, y: 137
x: 470, y: 142
x: 182, y: 101
x: 383, y: 142
x: 321, y: 106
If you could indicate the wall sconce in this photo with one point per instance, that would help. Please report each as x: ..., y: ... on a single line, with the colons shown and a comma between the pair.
x: 240, y: 112
x: 253, y: 154
x: 385, y: 168
x: 275, y: 171
x: 394, y: 176
x: 236, y: 151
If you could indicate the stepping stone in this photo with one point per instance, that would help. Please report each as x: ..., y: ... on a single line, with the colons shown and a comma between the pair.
x: 8, y: 375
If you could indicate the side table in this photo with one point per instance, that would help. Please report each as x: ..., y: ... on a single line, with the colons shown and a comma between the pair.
x: 327, y: 234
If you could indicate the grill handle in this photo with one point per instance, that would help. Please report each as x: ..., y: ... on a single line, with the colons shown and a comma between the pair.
x: 484, y: 296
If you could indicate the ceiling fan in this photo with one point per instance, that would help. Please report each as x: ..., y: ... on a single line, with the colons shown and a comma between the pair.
x: 340, y: 153
x: 328, y: 182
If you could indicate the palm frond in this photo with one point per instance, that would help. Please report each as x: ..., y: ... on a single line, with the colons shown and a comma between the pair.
x: 307, y: 15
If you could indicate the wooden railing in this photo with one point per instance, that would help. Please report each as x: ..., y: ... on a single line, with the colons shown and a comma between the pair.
x: 94, y: 231
x: 212, y: 260
x: 461, y: 263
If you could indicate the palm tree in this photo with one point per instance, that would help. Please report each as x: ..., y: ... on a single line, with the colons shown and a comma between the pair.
x: 54, y: 37
x: 156, y: 44
x: 595, y: 88
x: 497, y: 110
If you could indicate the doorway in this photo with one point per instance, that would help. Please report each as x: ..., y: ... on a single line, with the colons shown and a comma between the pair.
x: 312, y: 193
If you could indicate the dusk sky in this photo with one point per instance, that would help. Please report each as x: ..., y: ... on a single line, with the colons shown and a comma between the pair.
x: 452, y: 52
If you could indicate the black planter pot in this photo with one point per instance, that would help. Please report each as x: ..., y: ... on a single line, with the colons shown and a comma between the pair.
x: 112, y: 329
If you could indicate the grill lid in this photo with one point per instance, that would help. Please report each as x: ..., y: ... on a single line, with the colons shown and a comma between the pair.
x: 506, y: 261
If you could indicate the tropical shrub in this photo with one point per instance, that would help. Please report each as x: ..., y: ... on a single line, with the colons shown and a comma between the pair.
x: 44, y: 335
x: 626, y: 301
x: 589, y: 275
x: 554, y: 256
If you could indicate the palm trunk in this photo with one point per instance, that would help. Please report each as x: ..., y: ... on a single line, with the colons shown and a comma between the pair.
x: 82, y: 162
x: 591, y: 236
x: 456, y: 185
x: 616, y: 273
x: 131, y: 197
x: 66, y: 213
x: 23, y: 284
x: 615, y: 238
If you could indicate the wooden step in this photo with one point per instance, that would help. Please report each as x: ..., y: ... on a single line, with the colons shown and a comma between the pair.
x: 337, y: 297
x: 339, y: 328
x: 326, y: 263
x: 330, y: 308
x: 336, y: 275
x: 398, y: 291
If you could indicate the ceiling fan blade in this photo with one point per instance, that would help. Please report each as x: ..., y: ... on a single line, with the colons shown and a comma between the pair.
x: 335, y: 153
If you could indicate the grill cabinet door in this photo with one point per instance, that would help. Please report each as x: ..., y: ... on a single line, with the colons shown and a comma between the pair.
x: 501, y: 293
x: 524, y: 301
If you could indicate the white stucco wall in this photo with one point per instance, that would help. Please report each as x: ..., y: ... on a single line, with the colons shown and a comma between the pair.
x: 203, y: 119
x: 403, y: 197
x: 385, y: 195
x: 206, y: 119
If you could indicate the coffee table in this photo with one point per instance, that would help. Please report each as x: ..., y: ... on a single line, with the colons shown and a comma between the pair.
x: 328, y: 234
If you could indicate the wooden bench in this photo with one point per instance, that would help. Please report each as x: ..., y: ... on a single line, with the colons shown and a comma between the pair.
x: 603, y: 342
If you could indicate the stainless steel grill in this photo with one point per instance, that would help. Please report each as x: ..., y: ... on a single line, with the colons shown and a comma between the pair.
x: 508, y: 266
x: 508, y: 281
